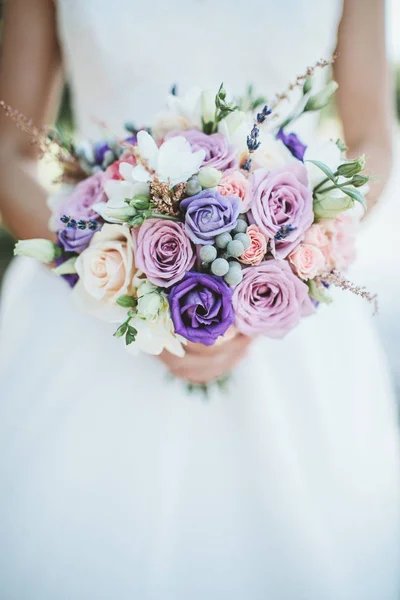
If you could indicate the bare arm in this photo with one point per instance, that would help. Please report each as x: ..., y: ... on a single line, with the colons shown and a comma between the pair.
x: 365, y: 96
x: 30, y: 81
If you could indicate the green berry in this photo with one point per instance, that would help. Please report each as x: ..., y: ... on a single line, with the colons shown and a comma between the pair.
x: 193, y: 186
x: 222, y: 240
x: 234, y: 265
x: 220, y: 267
x: 208, y: 253
x: 245, y: 239
x: 234, y: 276
x: 241, y: 226
x: 235, y: 248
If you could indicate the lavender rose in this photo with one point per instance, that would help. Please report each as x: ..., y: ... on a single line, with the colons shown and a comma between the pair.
x: 74, y: 240
x: 292, y: 143
x: 219, y: 152
x: 282, y: 206
x: 270, y: 300
x: 79, y: 203
x: 208, y: 214
x: 201, y: 307
x: 163, y: 251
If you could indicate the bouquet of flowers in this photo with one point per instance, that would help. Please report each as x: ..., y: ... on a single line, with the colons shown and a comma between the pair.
x: 219, y: 216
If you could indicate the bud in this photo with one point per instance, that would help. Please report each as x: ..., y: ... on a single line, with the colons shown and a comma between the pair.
x: 149, y: 306
x: 307, y: 85
x: 209, y: 177
x: 328, y: 206
x: 352, y: 167
x: 140, y: 202
x: 146, y: 287
x: 359, y: 180
x: 341, y: 145
x: 322, y: 98
x: 318, y: 292
x: 67, y: 267
x: 42, y: 250
x: 208, y: 106
x: 124, y: 213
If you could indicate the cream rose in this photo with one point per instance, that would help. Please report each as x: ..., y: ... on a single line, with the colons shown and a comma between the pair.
x: 106, y: 270
x: 307, y: 261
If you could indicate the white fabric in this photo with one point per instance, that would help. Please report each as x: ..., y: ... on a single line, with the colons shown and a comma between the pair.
x: 114, y: 484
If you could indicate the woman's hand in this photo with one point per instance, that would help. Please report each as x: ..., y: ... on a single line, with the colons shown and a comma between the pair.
x: 203, y: 364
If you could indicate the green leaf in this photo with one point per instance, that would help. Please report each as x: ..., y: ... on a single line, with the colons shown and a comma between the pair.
x: 355, y: 195
x: 122, y: 329
x: 132, y: 313
x: 126, y: 301
x: 130, y: 335
x: 325, y: 169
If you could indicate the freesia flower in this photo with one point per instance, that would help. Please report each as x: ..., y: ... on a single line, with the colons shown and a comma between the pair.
x: 172, y: 162
x: 182, y: 112
x: 218, y: 152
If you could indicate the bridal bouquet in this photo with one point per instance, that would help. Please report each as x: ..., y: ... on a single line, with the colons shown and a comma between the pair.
x: 219, y: 216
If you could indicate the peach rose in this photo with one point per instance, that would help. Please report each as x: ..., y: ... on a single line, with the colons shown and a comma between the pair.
x: 343, y: 236
x: 308, y: 261
x: 258, y: 248
x: 106, y: 270
x: 234, y: 183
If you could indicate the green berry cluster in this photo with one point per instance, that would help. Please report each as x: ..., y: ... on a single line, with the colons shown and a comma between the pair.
x: 221, y: 258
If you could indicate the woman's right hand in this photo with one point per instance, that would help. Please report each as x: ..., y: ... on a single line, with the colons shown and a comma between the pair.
x: 204, y: 364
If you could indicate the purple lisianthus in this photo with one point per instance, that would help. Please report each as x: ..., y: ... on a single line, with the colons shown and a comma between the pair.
x: 282, y: 206
x: 292, y: 143
x: 163, y: 251
x: 74, y: 240
x: 208, y: 214
x: 220, y: 154
x: 78, y: 204
x: 99, y: 149
x: 270, y: 300
x: 201, y: 307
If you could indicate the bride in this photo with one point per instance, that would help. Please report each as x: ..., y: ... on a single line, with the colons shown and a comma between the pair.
x: 114, y: 483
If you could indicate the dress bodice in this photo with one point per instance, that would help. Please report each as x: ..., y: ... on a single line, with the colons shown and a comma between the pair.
x: 121, y: 58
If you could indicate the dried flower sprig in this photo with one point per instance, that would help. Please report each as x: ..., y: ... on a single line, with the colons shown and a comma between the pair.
x: 300, y: 79
x: 338, y: 280
x: 165, y: 199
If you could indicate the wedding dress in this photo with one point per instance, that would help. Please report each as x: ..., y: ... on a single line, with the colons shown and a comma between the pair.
x: 114, y: 483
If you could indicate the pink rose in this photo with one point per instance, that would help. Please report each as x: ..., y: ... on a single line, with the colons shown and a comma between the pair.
x: 258, y: 247
x: 78, y: 204
x: 234, y: 183
x: 270, y: 300
x: 307, y: 261
x: 343, y: 236
x: 112, y: 172
x: 282, y: 206
x: 317, y: 235
x: 163, y: 251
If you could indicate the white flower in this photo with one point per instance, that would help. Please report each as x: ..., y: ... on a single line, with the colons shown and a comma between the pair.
x: 117, y: 191
x: 272, y: 153
x: 149, y: 306
x: 40, y: 249
x: 326, y: 152
x: 158, y: 334
x: 183, y: 112
x: 106, y: 270
x: 208, y: 106
x: 172, y: 162
x: 236, y: 127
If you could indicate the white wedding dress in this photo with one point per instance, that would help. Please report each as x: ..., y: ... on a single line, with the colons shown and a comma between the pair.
x: 117, y: 485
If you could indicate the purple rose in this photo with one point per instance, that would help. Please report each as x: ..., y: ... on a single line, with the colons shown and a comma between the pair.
x: 74, y: 240
x: 78, y: 204
x: 292, y: 143
x: 208, y: 214
x: 219, y: 152
x: 163, y: 251
x: 282, y: 206
x: 270, y: 300
x: 201, y: 307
